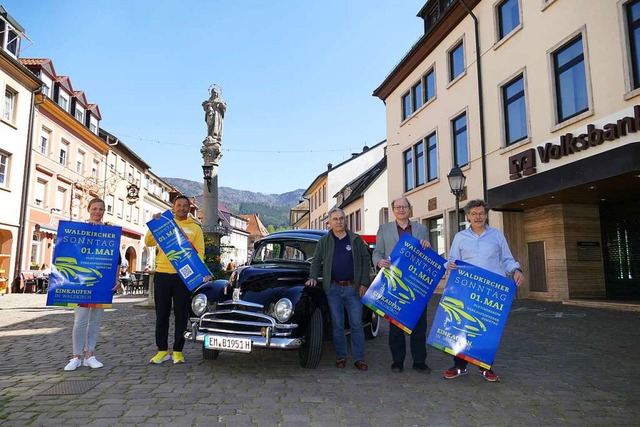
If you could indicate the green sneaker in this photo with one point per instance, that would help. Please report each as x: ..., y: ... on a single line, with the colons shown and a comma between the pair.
x: 161, y: 356
x: 177, y: 357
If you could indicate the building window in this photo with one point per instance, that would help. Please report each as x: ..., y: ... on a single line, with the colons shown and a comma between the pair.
x: 63, y: 101
x: 93, y: 127
x: 4, y: 169
x: 358, y: 220
x: 456, y: 61
x: 432, y: 157
x: 120, y: 208
x: 8, y: 113
x: 110, y: 204
x: 9, y: 38
x: 61, y: 197
x: 460, y: 147
x: 430, y: 85
x: 80, y: 163
x: 63, y: 154
x: 408, y: 170
x: 40, y: 192
x: 508, y: 17
x: 436, y: 234
x: 418, y: 154
x: 406, y: 106
x: 383, y: 216
x: 136, y: 215
x: 515, y: 112
x: 46, y: 90
x: 633, y: 22
x: 416, y: 96
x: 79, y: 115
x: 34, y: 256
x: 570, y: 80
x: 44, y: 141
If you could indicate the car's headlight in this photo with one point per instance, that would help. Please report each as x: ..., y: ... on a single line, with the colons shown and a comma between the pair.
x: 199, y: 304
x: 283, y: 310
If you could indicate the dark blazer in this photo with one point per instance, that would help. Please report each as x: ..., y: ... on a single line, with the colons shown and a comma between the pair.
x: 387, y: 238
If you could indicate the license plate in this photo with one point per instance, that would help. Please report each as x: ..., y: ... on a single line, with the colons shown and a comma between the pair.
x: 218, y: 342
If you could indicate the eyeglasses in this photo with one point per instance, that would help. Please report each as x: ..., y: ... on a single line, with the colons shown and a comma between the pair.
x: 477, y: 214
x: 401, y: 208
x: 339, y: 219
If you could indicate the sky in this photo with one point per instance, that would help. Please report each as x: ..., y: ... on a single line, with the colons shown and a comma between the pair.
x: 297, y: 77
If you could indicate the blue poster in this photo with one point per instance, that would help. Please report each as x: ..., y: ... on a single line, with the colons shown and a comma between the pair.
x: 179, y: 250
x: 85, y: 265
x: 401, y: 291
x: 472, y: 314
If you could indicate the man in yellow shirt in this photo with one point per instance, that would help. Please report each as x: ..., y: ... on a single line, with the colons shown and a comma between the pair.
x: 169, y: 287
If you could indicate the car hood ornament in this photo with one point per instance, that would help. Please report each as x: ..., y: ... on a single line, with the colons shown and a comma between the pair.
x: 236, y: 295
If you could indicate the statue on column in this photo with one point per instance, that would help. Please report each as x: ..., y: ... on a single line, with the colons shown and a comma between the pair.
x: 214, y: 109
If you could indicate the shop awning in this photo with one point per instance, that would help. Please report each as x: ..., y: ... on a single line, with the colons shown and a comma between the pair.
x: 129, y: 231
x: 46, y: 229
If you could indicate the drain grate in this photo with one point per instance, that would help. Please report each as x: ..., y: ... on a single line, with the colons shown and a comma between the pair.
x: 561, y: 315
x: 71, y: 387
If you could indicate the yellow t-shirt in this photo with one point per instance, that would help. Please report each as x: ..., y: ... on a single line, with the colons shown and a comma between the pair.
x: 192, y: 231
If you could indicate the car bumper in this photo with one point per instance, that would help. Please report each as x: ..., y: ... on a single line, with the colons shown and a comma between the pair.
x: 260, y: 342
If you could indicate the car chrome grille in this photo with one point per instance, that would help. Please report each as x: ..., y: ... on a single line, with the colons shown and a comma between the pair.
x: 236, y: 322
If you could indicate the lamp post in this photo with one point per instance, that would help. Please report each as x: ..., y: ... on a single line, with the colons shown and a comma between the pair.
x: 456, y: 184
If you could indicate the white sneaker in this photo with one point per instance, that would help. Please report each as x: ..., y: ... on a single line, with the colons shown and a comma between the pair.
x: 92, y: 362
x: 73, y: 364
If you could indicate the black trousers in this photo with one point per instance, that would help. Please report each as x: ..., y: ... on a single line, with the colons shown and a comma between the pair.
x: 417, y: 339
x: 460, y: 363
x: 168, y: 289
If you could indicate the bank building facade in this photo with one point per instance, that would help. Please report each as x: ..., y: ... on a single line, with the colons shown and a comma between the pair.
x: 537, y: 102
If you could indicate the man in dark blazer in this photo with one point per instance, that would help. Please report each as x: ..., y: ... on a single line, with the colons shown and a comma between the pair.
x: 387, y: 237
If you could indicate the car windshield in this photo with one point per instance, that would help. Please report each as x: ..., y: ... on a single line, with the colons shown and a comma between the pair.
x: 284, y: 250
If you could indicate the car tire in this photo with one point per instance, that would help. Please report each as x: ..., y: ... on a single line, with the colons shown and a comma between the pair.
x: 210, y: 354
x: 310, y: 351
x: 373, y: 328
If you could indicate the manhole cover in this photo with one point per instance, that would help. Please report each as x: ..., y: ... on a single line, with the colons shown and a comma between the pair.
x: 527, y: 310
x: 71, y: 387
x: 561, y: 315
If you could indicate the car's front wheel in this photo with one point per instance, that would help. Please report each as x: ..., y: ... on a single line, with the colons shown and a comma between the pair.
x: 209, y: 354
x: 310, y: 351
x: 373, y: 328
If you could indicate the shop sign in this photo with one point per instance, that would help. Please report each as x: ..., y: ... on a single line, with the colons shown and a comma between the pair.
x: 524, y: 163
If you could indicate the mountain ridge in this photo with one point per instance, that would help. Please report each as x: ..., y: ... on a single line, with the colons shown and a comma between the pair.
x: 273, y: 209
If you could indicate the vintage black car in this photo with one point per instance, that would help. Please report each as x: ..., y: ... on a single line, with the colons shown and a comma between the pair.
x: 266, y: 304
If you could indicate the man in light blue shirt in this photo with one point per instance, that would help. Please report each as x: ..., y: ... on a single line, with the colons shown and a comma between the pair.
x: 484, y: 247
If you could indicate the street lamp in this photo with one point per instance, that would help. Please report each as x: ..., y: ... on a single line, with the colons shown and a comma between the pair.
x: 456, y: 184
x: 207, y: 170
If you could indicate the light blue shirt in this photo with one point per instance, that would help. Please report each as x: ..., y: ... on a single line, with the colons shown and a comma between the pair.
x: 488, y: 250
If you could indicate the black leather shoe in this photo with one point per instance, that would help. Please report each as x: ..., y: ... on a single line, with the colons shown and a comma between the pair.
x: 396, y: 367
x: 422, y: 367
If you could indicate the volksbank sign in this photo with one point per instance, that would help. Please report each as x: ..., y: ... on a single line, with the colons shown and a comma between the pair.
x: 524, y: 163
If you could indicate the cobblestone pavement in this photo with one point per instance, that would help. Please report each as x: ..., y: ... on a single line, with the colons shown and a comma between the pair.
x: 575, y: 366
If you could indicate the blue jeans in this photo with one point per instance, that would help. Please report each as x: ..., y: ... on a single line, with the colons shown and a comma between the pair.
x: 341, y: 297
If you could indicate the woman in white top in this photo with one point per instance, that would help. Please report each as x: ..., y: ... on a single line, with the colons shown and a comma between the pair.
x: 86, y: 324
